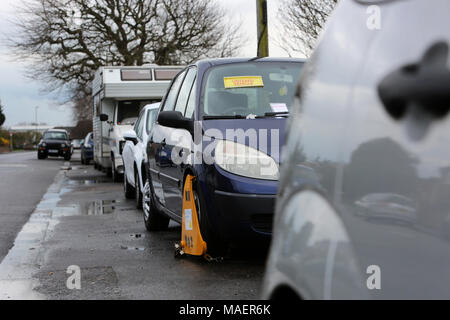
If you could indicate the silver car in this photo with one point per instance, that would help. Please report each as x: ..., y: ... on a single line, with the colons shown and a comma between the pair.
x: 363, y: 210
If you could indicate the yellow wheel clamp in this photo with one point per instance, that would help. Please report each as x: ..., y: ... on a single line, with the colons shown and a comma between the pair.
x: 192, y: 242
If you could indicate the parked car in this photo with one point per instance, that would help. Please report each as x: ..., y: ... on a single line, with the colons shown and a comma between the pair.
x: 135, y: 153
x: 76, y: 143
x: 370, y: 117
x: 212, y: 109
x: 87, y: 149
x: 55, y: 143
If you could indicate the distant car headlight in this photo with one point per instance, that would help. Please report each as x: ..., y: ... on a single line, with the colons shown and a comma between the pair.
x: 245, y: 161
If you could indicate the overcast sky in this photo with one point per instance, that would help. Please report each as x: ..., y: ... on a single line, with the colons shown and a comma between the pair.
x: 20, y: 95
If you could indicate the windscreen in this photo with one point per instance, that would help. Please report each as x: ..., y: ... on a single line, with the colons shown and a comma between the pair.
x: 55, y: 136
x: 129, y: 111
x: 250, y: 88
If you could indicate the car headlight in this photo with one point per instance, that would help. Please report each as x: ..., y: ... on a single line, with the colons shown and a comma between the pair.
x: 44, y: 144
x: 245, y: 161
x: 63, y: 145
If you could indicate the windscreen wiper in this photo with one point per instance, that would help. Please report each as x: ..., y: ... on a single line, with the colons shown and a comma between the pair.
x: 275, y: 114
x: 237, y: 116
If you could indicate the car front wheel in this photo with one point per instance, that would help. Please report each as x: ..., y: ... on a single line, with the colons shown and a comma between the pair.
x: 217, y: 246
x: 114, y: 174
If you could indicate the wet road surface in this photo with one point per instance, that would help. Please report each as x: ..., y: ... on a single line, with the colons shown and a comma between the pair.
x: 85, y: 221
x: 23, y: 181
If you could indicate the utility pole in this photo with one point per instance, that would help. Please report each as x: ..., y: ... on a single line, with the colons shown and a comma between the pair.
x: 263, y: 30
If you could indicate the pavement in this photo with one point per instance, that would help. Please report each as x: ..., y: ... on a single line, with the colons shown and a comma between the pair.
x: 84, y: 221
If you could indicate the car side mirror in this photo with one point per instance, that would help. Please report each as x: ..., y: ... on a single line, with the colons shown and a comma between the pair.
x: 104, y: 117
x: 175, y: 119
x: 131, y: 136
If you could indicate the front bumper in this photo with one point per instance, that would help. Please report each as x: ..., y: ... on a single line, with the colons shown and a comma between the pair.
x: 61, y: 152
x: 239, y: 208
x: 245, y: 216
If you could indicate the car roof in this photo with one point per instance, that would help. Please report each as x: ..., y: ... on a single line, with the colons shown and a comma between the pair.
x: 223, y: 61
x: 57, y: 130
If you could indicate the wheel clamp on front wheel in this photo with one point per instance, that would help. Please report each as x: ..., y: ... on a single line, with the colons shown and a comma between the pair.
x: 192, y: 242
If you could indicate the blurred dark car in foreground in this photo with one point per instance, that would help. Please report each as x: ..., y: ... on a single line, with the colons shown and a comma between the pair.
x: 371, y: 121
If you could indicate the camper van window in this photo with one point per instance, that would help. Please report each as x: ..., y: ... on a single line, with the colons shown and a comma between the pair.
x: 136, y: 75
x: 128, y: 111
x: 166, y: 74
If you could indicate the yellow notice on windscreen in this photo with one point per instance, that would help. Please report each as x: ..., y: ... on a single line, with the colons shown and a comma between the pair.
x: 243, y: 82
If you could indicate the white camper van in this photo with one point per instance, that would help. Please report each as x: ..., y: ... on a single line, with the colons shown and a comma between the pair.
x: 119, y: 93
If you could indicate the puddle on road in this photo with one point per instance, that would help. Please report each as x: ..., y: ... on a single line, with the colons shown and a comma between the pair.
x: 132, y: 248
x: 98, y: 208
x: 87, y: 182
x: 137, y: 236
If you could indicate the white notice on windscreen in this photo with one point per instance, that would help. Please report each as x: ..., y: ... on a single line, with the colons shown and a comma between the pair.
x: 279, y: 107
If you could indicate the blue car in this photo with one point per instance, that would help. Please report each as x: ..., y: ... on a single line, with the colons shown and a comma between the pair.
x: 87, y: 149
x: 223, y: 122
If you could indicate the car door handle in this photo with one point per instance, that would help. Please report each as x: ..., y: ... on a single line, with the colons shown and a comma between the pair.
x: 424, y: 85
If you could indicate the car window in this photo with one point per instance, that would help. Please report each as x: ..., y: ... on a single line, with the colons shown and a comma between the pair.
x: 55, y: 136
x: 169, y: 103
x: 128, y: 111
x: 140, y: 127
x: 185, y: 90
x: 191, y: 103
x: 136, y: 125
x: 151, y: 119
x: 250, y: 88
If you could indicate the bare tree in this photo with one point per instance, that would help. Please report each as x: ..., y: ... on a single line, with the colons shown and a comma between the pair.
x: 2, y: 115
x: 67, y: 40
x: 302, y: 22
x: 82, y: 106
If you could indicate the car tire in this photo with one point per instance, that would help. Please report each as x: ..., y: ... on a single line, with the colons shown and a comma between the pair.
x: 216, y: 246
x: 153, y: 219
x: 67, y: 157
x: 116, y: 177
x: 128, y: 190
x: 82, y: 160
x: 137, y: 188
x: 41, y: 157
